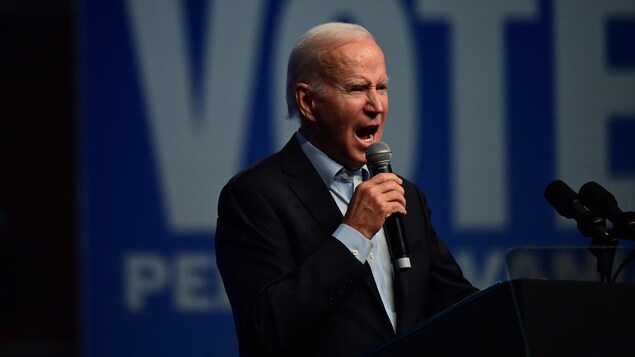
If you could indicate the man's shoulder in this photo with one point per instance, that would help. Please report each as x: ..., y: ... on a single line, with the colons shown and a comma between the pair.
x: 260, y: 171
x: 270, y: 169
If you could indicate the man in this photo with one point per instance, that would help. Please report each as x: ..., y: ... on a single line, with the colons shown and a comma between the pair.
x: 306, y: 266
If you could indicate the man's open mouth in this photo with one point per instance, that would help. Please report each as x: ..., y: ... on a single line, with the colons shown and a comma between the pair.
x: 367, y: 134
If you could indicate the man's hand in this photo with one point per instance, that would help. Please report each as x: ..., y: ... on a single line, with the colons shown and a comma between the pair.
x: 373, y: 201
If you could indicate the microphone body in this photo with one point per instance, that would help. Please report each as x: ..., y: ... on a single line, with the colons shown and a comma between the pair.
x: 378, y: 156
x: 598, y: 198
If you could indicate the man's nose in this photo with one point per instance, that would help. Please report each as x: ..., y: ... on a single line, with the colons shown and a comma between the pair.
x: 374, y: 102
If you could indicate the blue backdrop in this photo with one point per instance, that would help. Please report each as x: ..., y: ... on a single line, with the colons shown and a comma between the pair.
x: 490, y: 101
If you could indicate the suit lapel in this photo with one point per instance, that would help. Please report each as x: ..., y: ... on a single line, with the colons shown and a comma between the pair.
x: 307, y: 185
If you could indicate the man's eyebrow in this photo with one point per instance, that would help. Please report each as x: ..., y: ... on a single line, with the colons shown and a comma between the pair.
x: 364, y: 83
x: 357, y: 83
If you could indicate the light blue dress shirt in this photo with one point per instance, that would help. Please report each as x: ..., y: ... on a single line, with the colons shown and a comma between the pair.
x: 341, y: 183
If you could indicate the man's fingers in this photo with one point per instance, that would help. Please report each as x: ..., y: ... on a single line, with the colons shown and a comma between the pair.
x: 373, y: 201
x: 384, y: 177
x: 382, y: 184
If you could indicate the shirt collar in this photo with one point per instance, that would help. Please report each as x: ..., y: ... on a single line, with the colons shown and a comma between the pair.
x: 325, y: 166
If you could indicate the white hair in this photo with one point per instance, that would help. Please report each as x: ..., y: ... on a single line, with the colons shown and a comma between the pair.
x: 306, y: 61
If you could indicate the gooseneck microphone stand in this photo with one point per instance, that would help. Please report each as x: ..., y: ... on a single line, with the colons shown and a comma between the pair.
x: 604, y: 250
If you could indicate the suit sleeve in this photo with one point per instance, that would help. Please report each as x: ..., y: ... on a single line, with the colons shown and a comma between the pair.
x: 278, y: 287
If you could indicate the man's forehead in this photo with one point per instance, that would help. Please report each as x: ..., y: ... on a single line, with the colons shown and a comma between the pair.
x: 355, y: 76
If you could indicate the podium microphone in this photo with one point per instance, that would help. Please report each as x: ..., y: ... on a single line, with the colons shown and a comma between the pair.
x: 598, y: 198
x: 378, y: 156
x: 590, y: 224
x: 567, y: 204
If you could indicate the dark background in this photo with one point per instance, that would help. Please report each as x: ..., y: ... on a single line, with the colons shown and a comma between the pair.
x: 39, y: 299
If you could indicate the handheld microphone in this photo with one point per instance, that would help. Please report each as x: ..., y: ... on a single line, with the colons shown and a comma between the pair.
x: 378, y: 156
x: 598, y: 198
x: 567, y: 204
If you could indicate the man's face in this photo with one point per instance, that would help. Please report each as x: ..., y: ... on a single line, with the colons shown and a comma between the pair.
x: 350, y: 113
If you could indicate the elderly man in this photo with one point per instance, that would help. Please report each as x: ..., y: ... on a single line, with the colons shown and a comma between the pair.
x: 300, y: 244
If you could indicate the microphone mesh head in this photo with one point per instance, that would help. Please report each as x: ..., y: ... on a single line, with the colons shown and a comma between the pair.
x: 560, y: 196
x: 378, y: 153
x: 593, y: 194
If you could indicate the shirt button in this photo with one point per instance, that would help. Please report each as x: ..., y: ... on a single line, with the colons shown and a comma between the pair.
x: 371, y: 256
x: 345, y: 176
x: 355, y: 252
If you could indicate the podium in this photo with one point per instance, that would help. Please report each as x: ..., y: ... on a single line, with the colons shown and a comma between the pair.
x: 559, y: 314
x: 528, y: 317
x: 552, y: 305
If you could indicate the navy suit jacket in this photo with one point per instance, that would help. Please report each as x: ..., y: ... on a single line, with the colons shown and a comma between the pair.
x: 296, y: 290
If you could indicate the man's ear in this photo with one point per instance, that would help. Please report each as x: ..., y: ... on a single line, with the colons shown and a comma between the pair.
x: 304, y: 98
